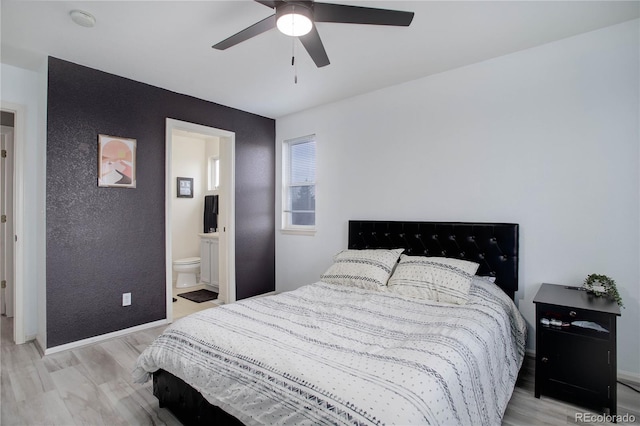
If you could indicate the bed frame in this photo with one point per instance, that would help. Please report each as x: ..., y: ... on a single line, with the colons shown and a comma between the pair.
x: 493, y: 245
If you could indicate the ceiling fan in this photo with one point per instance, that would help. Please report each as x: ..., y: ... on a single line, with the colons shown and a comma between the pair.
x: 298, y: 18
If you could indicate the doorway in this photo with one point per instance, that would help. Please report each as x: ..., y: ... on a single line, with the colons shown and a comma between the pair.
x: 11, y: 225
x: 7, y: 124
x: 226, y: 212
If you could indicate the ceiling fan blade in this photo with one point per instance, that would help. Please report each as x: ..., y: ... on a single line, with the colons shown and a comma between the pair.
x: 270, y: 3
x: 327, y: 12
x: 313, y: 44
x: 252, y: 31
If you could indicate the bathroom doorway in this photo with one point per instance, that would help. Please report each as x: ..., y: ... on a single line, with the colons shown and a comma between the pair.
x: 7, y: 120
x: 12, y: 130
x: 182, y: 134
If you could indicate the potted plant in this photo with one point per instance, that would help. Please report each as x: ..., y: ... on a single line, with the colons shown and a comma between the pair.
x: 602, y: 285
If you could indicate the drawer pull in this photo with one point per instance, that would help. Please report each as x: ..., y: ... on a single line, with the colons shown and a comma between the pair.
x: 545, y: 359
x: 573, y: 314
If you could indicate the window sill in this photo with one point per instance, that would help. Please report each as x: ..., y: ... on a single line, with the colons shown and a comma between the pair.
x: 290, y: 231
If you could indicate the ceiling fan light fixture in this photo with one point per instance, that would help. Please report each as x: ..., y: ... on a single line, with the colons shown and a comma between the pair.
x: 294, y: 20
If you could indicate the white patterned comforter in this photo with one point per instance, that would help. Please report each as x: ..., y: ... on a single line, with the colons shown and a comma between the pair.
x: 330, y: 354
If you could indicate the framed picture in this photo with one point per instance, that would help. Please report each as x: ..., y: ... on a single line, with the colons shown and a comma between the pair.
x: 116, y: 162
x: 185, y: 187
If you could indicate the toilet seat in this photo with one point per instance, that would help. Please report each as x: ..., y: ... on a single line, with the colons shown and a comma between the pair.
x: 187, y: 261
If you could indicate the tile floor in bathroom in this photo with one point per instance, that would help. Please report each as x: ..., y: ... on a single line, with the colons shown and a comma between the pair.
x: 183, y: 307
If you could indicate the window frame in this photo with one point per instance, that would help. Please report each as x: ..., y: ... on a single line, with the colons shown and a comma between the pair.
x: 286, y: 226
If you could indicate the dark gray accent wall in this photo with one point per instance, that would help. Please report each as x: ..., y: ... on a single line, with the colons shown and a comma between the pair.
x: 102, y: 242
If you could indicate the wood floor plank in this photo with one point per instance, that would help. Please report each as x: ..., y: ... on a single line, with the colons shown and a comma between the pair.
x: 30, y: 380
x: 46, y: 408
x: 99, y: 364
x: 8, y: 403
x: 123, y: 353
x: 143, y: 395
x: 83, y: 398
x: 60, y: 360
x: 118, y: 394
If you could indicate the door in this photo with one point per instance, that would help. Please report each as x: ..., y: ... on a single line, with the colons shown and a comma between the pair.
x: 6, y: 223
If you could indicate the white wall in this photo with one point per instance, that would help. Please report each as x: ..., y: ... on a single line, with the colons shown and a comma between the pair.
x: 547, y: 138
x: 28, y: 89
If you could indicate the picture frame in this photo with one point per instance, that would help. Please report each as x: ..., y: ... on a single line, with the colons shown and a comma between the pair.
x: 116, y: 162
x: 184, y: 187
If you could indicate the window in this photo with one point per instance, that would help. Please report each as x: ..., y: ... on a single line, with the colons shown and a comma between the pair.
x: 214, y: 173
x: 299, y: 184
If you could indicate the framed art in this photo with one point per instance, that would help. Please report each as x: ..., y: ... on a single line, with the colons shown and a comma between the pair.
x: 185, y: 187
x: 116, y: 162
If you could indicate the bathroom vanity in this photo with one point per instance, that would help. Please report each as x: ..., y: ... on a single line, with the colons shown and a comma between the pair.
x: 209, y: 259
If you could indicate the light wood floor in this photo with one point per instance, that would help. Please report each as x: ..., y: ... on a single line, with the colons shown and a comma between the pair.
x: 92, y: 386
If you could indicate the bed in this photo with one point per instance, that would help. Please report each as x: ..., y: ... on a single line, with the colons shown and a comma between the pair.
x: 356, y: 347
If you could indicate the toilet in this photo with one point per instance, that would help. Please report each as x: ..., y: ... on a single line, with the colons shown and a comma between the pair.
x: 187, y: 269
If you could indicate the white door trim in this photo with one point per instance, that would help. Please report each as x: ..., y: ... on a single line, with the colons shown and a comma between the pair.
x: 228, y: 140
x: 18, y: 215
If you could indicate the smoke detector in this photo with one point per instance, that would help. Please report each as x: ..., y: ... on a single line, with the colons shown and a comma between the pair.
x: 82, y: 18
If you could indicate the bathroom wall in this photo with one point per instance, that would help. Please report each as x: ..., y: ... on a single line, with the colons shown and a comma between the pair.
x: 103, y: 242
x: 188, y: 160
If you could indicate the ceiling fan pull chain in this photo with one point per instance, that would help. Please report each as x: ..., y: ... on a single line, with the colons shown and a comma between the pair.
x: 293, y: 60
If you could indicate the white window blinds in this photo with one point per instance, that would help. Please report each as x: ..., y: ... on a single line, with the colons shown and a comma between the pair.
x: 299, y: 195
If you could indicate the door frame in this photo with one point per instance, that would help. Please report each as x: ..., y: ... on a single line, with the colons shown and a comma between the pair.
x: 227, y: 230
x: 18, y: 215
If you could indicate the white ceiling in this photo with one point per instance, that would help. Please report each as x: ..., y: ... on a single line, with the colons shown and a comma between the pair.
x: 168, y: 44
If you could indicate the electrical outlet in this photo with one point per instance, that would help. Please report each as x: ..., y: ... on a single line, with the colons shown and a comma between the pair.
x: 126, y: 299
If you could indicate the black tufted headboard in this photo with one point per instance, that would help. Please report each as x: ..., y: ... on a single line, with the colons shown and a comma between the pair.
x: 493, y: 245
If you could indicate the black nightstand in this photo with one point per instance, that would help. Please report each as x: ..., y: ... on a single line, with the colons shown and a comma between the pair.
x: 573, y: 362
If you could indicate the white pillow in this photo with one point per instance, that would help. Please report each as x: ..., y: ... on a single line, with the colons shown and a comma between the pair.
x: 368, y: 269
x: 440, y: 279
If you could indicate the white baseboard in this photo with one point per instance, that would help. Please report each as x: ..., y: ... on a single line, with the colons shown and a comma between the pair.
x: 102, y: 337
x: 214, y: 288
